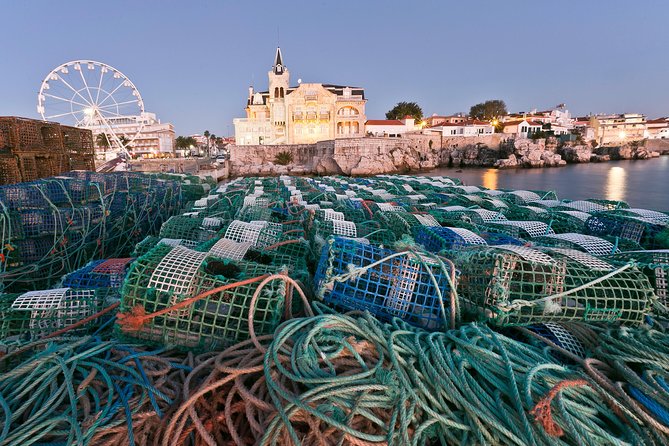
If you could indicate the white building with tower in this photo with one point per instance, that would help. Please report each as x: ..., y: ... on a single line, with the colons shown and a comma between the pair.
x: 302, y: 114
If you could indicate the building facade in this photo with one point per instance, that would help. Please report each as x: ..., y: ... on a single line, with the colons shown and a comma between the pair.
x: 470, y: 127
x: 156, y: 139
x: 304, y: 114
x: 619, y: 129
x: 392, y: 128
x: 522, y: 128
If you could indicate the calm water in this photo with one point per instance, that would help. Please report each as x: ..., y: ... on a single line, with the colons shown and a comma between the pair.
x: 642, y: 183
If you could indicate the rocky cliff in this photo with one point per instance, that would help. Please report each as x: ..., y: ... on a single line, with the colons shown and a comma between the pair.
x: 530, y: 153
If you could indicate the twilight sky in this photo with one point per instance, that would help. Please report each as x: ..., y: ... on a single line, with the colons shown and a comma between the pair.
x: 193, y: 60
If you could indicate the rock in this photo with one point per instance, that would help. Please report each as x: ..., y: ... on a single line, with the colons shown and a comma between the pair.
x: 576, y: 154
x: 600, y: 158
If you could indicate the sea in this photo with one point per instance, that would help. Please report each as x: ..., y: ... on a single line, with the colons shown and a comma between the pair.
x: 640, y: 183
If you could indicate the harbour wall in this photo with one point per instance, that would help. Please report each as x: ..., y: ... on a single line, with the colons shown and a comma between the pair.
x: 367, y: 156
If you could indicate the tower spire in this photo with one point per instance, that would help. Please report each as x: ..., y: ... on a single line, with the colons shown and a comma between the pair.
x: 278, y: 62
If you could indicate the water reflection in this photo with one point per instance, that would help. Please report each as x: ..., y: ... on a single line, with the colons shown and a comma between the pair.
x: 616, y: 184
x: 490, y: 179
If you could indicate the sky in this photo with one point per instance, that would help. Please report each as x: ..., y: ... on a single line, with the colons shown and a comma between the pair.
x: 193, y: 61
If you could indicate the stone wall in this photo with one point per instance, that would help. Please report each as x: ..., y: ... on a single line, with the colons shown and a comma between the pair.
x: 660, y: 146
x: 369, y: 155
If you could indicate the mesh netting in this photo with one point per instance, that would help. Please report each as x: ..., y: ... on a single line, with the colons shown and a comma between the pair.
x: 636, y: 229
x: 513, y: 285
x: 437, y: 239
x: 215, y: 321
x: 35, y: 314
x: 654, y: 264
x: 405, y: 286
x: 588, y: 243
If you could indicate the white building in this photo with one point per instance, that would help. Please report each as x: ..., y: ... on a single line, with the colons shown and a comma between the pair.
x: 156, y: 139
x: 522, y: 128
x: 619, y: 129
x: 466, y: 128
x: 392, y: 128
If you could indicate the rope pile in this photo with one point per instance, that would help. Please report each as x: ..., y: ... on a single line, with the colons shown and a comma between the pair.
x: 336, y: 379
x: 87, y: 391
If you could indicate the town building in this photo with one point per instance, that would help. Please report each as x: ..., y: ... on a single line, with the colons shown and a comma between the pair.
x: 521, y: 128
x: 392, y: 128
x: 302, y: 114
x: 618, y: 129
x: 657, y: 128
x: 435, y: 120
x: 156, y: 139
x: 470, y: 127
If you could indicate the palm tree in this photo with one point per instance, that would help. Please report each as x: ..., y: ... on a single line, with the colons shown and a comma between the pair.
x: 206, y: 136
x: 102, y: 140
x: 212, y: 138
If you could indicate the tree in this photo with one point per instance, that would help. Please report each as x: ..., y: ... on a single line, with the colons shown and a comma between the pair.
x: 185, y: 142
x: 206, y: 137
x: 403, y: 109
x: 489, y: 110
x: 102, y: 140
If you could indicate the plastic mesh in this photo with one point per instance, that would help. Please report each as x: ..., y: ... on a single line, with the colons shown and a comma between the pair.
x: 39, y: 313
x: 230, y: 249
x: 176, y: 271
x: 398, y: 287
x: 436, y: 239
x: 519, y: 286
x: 588, y: 243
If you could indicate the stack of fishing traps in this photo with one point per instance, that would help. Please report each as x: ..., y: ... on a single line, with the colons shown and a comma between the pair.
x: 31, y: 149
x: 428, y: 251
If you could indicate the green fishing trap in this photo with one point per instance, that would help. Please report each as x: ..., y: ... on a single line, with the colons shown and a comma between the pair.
x: 35, y: 314
x: 517, y: 285
x: 166, y: 276
x: 186, y: 227
x: 654, y: 264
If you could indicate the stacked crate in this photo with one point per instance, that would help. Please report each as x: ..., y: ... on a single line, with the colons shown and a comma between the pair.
x: 32, y: 149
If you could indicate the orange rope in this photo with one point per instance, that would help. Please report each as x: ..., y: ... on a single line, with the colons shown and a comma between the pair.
x: 285, y: 242
x: 83, y: 321
x: 542, y: 411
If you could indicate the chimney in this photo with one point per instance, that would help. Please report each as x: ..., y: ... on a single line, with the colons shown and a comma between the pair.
x: 251, y: 94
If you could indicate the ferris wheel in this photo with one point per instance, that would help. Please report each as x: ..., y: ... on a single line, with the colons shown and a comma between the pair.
x: 96, y: 96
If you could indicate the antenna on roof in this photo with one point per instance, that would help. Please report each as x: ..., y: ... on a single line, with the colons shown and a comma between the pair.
x: 277, y: 36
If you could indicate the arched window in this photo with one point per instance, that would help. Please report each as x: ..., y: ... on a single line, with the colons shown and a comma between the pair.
x: 276, y: 92
x: 281, y: 92
x: 348, y: 111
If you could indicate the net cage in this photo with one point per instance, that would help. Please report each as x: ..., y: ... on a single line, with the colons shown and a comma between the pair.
x: 259, y: 233
x: 520, y: 229
x: 450, y: 214
x: 498, y: 238
x: 516, y: 285
x: 166, y: 276
x: 588, y: 243
x: 107, y: 273
x: 35, y: 314
x: 437, y: 239
x: 561, y: 337
x: 57, y: 225
x: 654, y: 264
x: 403, y: 222
x: 357, y: 276
x: 526, y: 212
x: 189, y: 228
x: 648, y: 233
x: 568, y: 221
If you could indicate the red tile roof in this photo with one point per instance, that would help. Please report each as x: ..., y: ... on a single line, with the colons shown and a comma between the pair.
x: 384, y: 122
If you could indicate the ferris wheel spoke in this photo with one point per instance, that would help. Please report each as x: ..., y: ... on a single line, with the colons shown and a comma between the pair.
x: 65, y: 100
x: 134, y: 101
x: 110, y: 94
x: 61, y: 115
x: 88, y: 90
x: 100, y: 112
x: 75, y: 91
x: 102, y: 74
